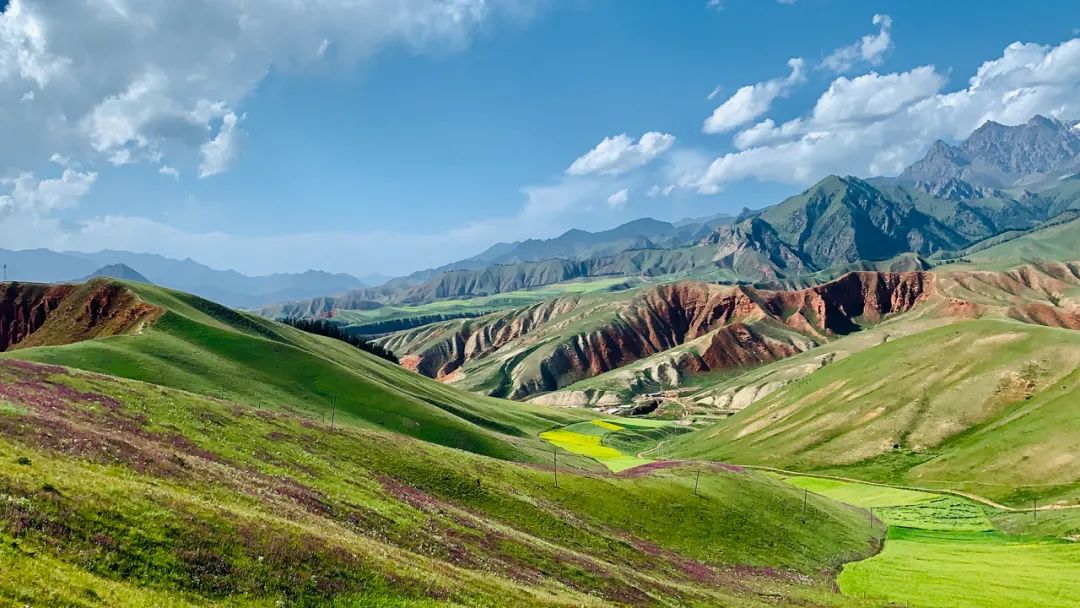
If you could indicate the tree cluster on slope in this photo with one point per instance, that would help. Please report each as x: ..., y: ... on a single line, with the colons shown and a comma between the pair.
x: 323, y: 327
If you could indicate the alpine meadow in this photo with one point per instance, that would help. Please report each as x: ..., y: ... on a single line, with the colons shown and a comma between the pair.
x: 485, y: 303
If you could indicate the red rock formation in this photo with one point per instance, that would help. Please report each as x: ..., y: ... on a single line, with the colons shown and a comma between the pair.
x: 36, y: 315
x: 660, y: 319
x: 24, y: 309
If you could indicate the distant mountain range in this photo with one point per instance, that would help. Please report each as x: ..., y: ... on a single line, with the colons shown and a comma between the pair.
x: 573, y: 245
x: 1000, y: 179
x: 225, y: 286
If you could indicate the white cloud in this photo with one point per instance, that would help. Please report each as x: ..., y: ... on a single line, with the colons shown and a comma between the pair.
x: 751, y: 101
x: 877, y: 124
x: 26, y: 193
x: 60, y: 159
x: 869, y: 49
x: 658, y: 190
x: 122, y: 82
x: 172, y: 172
x: 619, y: 154
x: 220, y: 153
x: 618, y: 199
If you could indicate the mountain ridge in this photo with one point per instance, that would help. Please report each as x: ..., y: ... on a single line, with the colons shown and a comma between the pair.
x: 226, y: 286
x: 955, y: 196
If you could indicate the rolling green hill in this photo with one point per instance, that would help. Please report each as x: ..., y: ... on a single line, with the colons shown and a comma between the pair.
x: 1055, y: 241
x: 117, y: 492
x: 983, y: 405
x: 198, y: 346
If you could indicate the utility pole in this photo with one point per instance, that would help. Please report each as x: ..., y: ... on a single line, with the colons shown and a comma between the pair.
x: 871, y: 518
x: 805, y: 495
x: 697, y: 478
x: 555, y: 458
x: 333, y: 415
x: 5, y: 273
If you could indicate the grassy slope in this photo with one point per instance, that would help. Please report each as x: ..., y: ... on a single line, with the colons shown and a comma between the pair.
x: 944, y: 551
x: 985, y: 406
x: 1057, y: 242
x: 116, y: 492
x: 205, y: 348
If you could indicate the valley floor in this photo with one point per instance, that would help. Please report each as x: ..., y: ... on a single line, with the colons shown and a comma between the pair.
x: 942, y: 548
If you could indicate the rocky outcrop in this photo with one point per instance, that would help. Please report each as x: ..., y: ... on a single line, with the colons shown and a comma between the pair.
x: 454, y: 344
x: 39, y: 315
x: 752, y: 249
x: 703, y: 326
x: 24, y: 309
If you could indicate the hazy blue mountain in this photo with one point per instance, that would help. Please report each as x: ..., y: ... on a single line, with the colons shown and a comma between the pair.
x: 225, y: 286
x: 644, y: 233
x: 118, y: 271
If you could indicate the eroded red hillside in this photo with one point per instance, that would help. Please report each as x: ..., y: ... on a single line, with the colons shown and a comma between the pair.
x: 551, y: 345
x: 37, y: 315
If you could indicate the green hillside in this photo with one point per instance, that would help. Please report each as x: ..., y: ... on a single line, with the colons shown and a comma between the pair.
x: 202, y: 347
x: 115, y: 492
x: 983, y: 405
x: 1053, y: 242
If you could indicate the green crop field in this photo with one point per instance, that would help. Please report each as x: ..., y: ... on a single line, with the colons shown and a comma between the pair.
x: 944, y: 551
x: 601, y: 440
x: 968, y: 570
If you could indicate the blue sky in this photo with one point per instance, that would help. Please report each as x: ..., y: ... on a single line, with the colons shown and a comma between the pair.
x: 392, y: 136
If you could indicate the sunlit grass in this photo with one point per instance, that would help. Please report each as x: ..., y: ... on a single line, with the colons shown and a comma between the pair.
x: 968, y: 570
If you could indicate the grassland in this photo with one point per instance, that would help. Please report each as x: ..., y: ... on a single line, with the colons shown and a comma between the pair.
x: 205, y: 348
x: 985, y: 406
x: 859, y: 494
x: 968, y: 570
x: 117, y: 492
x: 392, y: 318
x: 1054, y: 242
x: 944, y: 551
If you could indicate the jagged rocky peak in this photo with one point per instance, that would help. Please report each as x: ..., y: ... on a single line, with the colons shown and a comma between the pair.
x: 1041, y: 145
x: 753, y: 248
x: 997, y: 156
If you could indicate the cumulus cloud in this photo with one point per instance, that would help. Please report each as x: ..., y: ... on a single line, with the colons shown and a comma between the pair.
x: 27, y: 193
x: 869, y: 49
x: 172, y: 172
x: 877, y: 124
x: 220, y: 153
x: 619, y: 154
x: 124, y: 82
x: 751, y: 101
x: 658, y: 190
x: 618, y: 199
